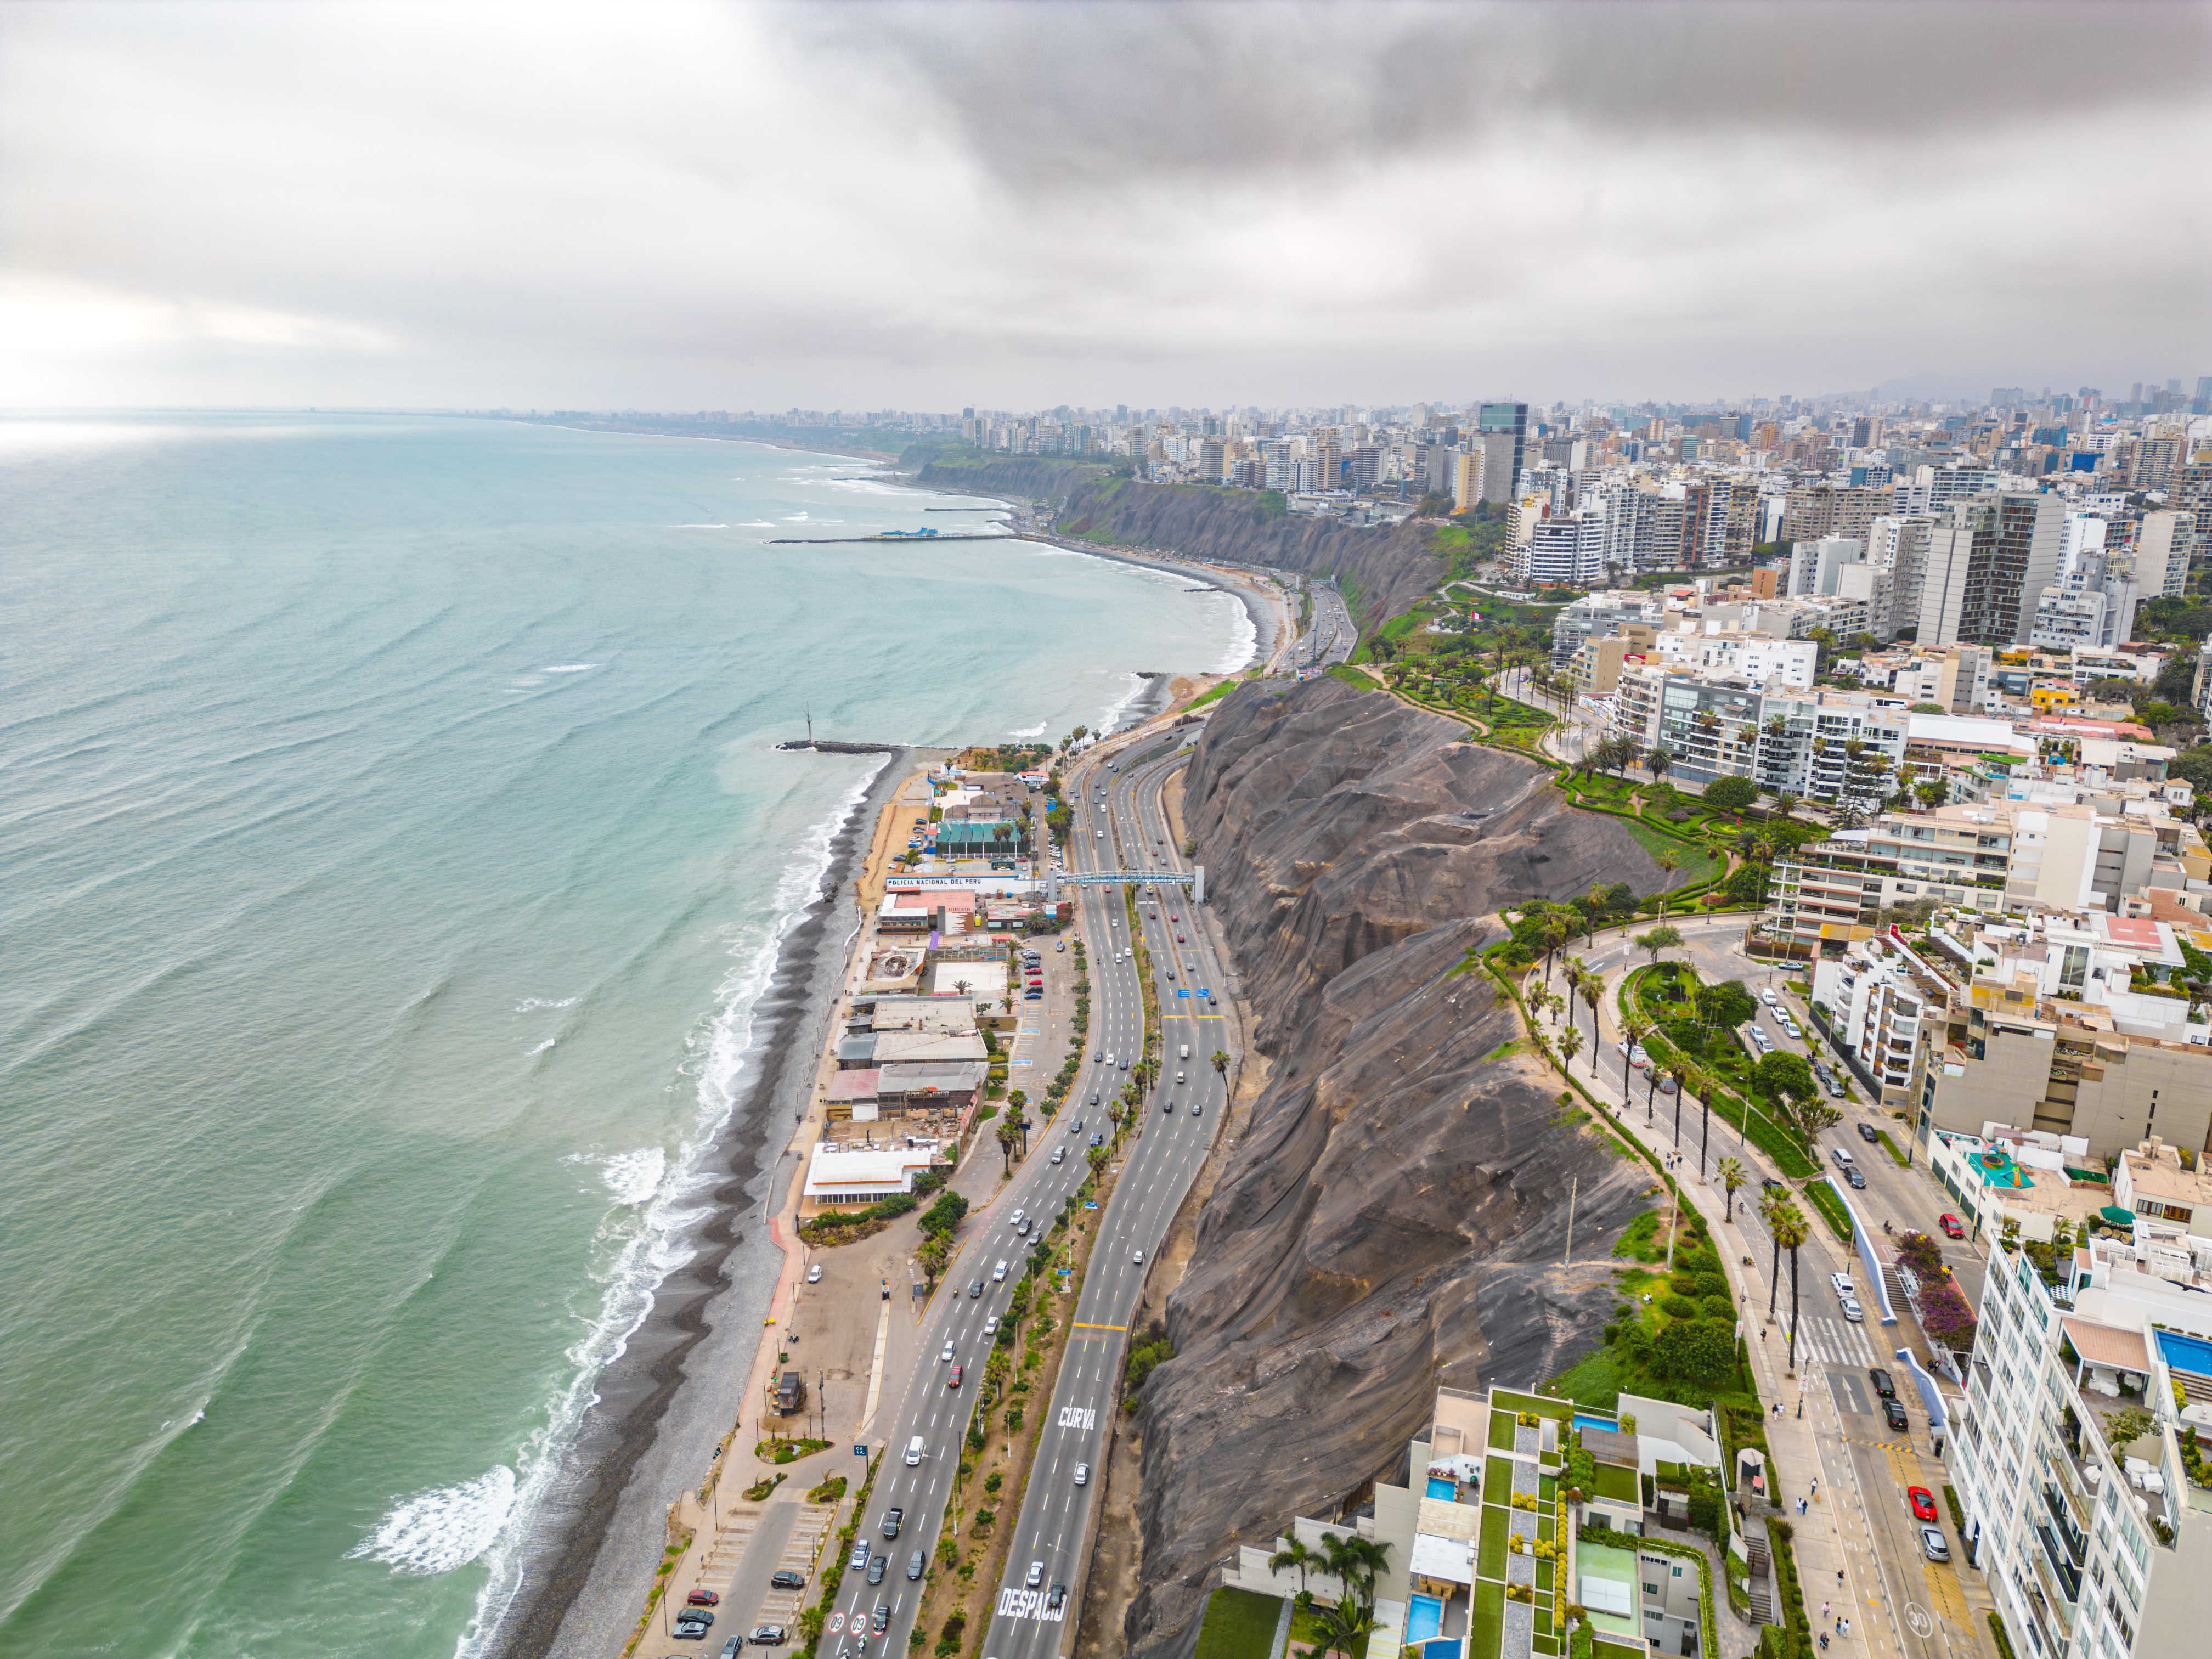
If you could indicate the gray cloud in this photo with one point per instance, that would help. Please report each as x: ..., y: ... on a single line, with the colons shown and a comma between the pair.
x: 727, y: 206
x: 1195, y: 89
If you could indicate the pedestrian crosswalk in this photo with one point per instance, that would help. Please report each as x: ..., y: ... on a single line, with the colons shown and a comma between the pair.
x: 1824, y: 1340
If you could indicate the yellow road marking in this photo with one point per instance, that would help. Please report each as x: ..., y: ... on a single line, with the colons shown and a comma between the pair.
x: 1080, y: 1326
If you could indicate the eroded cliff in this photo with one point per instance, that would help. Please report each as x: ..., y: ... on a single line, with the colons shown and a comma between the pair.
x: 1393, y: 1215
x: 1389, y: 568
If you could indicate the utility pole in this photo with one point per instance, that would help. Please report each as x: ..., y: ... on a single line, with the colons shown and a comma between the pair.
x: 1572, y: 1187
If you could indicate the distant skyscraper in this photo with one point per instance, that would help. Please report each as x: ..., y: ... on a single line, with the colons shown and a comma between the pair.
x: 1503, y: 432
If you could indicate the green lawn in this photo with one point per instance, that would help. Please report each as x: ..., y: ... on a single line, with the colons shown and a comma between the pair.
x: 1486, y: 1620
x: 1239, y: 1624
x: 1501, y: 1423
x: 1497, y: 1475
x: 1616, y: 1482
x: 1490, y: 1556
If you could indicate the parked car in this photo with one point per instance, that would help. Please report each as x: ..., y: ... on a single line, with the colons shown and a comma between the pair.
x: 814, y: 1274
x: 1893, y: 1412
x: 1854, y: 1178
x: 1852, y: 1311
x: 1951, y: 1225
x: 693, y: 1624
x: 703, y: 1598
x: 1882, y: 1385
x: 770, y: 1636
x: 1843, y: 1157
x: 1869, y: 1134
x: 1923, y: 1502
x: 1932, y: 1544
x: 786, y: 1578
x: 1844, y: 1284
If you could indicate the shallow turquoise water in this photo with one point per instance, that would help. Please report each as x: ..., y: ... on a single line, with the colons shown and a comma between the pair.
x: 394, y: 848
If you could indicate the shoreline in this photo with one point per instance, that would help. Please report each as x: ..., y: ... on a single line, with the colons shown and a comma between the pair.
x: 664, y: 1405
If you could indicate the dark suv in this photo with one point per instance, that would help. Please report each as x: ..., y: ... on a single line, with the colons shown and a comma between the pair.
x: 1894, y: 1415
x: 1882, y: 1385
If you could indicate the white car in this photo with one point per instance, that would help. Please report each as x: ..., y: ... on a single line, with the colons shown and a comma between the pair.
x: 1083, y: 1474
x: 1790, y: 1025
x: 1842, y: 1284
x: 947, y: 1356
x: 999, y: 1273
x: 913, y: 1452
x: 1766, y: 995
x: 1636, y: 1056
x: 991, y: 1326
x: 1852, y: 1311
x: 1036, y: 1574
x: 1140, y: 1258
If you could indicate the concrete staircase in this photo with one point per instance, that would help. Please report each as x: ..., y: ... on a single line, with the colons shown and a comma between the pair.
x: 1762, y: 1604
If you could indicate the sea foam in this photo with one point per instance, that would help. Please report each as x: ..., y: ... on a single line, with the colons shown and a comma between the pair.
x: 569, y: 668
x: 436, y: 1531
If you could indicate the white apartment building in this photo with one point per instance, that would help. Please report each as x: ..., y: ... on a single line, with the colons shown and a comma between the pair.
x: 1563, y: 552
x: 1876, y: 995
x: 2094, y: 1547
x: 1758, y: 658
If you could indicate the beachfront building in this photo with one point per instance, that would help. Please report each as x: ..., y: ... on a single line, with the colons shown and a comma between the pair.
x: 2077, y: 1460
x: 1482, y: 1546
x: 851, y: 1177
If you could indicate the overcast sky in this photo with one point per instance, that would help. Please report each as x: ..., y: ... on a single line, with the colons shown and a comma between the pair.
x: 694, y: 205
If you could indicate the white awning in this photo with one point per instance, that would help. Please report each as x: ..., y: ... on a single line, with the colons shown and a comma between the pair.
x: 1449, y: 1558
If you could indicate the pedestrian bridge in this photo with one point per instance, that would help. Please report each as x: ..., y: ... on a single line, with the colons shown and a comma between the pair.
x: 1194, y: 878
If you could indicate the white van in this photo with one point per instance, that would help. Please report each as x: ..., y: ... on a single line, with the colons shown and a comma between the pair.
x: 1178, y: 1076
x: 913, y: 1451
x: 999, y: 1273
x: 1185, y: 1053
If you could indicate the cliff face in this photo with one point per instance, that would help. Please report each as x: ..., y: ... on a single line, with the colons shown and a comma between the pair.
x: 1393, y: 567
x: 1394, y: 1213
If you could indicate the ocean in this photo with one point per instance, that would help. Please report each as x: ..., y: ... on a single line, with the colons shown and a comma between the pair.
x: 396, y: 848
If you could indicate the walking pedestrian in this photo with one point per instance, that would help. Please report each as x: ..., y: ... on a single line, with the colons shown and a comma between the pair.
x: 1824, y: 1611
x: 1839, y: 1578
x: 1816, y: 1485
x: 1846, y: 1627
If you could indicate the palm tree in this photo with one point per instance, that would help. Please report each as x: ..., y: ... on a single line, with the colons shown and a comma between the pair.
x: 1220, y: 1061
x: 1294, y: 1556
x: 1635, y: 1030
x: 1659, y: 761
x: 1705, y: 1133
x: 1687, y: 1078
x: 1570, y: 1044
x: 1593, y: 989
x: 1007, y: 1135
x: 1770, y: 1205
x: 1792, y: 1234
x: 1733, y: 1177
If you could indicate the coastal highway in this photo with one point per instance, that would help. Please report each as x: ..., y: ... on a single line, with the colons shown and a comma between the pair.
x: 925, y: 1404
x: 1051, y: 1539
x: 1329, y: 636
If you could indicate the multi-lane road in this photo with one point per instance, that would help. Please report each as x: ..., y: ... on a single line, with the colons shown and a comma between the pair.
x: 1159, y: 1164
x: 1052, y: 1536
x: 1330, y: 635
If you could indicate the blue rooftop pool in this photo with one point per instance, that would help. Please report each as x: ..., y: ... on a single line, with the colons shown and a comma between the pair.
x: 1424, y: 1617
x: 1441, y: 1487
x: 2193, y: 1354
x: 1584, y: 1420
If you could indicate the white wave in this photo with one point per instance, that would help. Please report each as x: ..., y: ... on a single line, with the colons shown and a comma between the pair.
x: 796, y: 518
x: 436, y: 1531
x: 569, y: 668
x: 633, y: 1177
x: 541, y: 1047
x: 654, y: 1240
x: 532, y: 1005
x: 1037, y: 731
x: 756, y: 523
x: 698, y: 526
x: 1110, y: 719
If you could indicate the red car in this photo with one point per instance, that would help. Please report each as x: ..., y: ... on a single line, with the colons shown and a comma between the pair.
x: 1950, y: 1224
x: 1922, y: 1501
x: 703, y: 1598
x: 953, y: 1381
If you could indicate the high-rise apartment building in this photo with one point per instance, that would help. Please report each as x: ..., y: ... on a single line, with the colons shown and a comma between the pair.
x: 1987, y: 564
x: 2164, y: 551
x: 1503, y: 432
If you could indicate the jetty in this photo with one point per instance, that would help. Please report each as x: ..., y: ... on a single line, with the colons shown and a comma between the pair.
x: 832, y: 746
x: 894, y: 537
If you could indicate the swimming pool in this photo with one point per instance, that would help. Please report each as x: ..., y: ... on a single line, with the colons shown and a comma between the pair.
x: 1441, y: 1487
x: 1584, y: 1420
x: 2193, y: 1354
x: 1424, y: 1617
